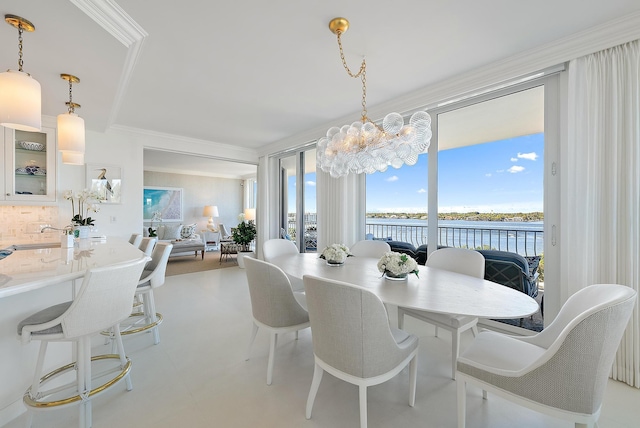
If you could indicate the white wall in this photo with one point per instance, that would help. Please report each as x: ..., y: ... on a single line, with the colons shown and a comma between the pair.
x: 225, y: 193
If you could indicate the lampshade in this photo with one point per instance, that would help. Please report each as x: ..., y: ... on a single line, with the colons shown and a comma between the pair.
x: 20, y: 101
x: 210, y: 211
x: 250, y: 214
x: 20, y: 94
x: 70, y: 133
x: 73, y: 158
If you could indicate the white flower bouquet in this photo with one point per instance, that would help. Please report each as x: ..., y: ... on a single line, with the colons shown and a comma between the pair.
x: 86, y: 202
x: 397, y: 265
x: 335, y: 254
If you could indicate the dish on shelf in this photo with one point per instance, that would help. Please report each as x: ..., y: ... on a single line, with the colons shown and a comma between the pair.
x: 32, y: 169
x: 31, y: 145
x: 40, y: 172
x: 21, y: 171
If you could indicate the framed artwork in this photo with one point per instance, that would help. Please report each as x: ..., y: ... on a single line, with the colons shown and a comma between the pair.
x: 167, y: 201
x: 106, y: 180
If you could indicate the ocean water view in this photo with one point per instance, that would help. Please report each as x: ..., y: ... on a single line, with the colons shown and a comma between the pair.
x: 525, y: 238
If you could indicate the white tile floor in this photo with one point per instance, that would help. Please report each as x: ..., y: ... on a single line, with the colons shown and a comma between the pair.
x: 197, y: 376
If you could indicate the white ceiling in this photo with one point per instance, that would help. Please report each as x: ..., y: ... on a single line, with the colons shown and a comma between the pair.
x: 250, y: 73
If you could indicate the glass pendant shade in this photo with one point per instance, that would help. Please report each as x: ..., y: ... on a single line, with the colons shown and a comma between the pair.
x: 73, y: 158
x: 20, y: 101
x: 70, y: 133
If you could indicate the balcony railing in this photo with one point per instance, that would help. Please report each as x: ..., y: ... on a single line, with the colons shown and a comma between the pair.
x: 526, y: 242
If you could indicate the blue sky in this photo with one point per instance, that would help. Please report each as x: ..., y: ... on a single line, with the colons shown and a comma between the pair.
x: 502, y: 176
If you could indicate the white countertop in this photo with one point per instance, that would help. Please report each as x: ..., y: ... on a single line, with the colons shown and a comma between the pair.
x: 27, y: 270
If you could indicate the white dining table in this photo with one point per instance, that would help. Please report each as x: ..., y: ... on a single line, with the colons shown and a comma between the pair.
x: 434, y: 290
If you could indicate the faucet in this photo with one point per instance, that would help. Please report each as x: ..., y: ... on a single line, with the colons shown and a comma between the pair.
x: 67, y: 229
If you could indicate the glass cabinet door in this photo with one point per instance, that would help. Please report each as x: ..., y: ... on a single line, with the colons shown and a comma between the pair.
x: 30, y: 165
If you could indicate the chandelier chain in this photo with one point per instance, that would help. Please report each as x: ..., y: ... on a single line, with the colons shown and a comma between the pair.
x: 362, y: 74
x: 19, y: 47
x: 71, y: 105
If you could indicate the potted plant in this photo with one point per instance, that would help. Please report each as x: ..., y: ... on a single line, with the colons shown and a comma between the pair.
x: 243, y: 235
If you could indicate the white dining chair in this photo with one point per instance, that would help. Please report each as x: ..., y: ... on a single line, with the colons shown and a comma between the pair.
x: 467, y: 262
x: 561, y: 371
x: 274, y: 305
x: 369, y: 248
x: 103, y: 301
x: 353, y: 341
x: 273, y: 248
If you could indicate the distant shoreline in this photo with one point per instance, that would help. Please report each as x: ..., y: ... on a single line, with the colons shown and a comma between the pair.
x: 470, y: 216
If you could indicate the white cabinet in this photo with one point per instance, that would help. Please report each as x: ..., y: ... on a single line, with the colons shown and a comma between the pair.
x: 30, y: 166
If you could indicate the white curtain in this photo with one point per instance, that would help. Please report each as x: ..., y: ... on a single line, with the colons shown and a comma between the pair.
x: 340, y: 209
x: 601, y: 212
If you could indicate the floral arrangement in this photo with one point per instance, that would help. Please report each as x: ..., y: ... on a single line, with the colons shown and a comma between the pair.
x: 85, y: 202
x: 397, y: 264
x: 335, y: 253
x: 157, y: 216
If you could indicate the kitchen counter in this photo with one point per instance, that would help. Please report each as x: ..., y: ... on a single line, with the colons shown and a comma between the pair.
x: 31, y: 269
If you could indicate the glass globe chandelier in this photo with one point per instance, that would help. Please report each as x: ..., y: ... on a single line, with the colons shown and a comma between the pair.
x: 364, y: 146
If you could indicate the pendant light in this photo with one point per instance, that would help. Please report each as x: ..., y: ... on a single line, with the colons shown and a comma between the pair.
x: 20, y: 94
x: 71, y: 129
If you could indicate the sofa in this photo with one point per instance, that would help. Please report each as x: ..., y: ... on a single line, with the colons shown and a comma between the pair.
x: 183, y: 238
x: 512, y: 270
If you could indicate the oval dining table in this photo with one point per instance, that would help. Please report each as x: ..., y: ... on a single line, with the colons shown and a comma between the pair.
x: 434, y: 290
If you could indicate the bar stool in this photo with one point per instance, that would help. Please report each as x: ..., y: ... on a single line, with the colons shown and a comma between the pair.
x: 103, y: 301
x: 153, y: 276
x: 147, y: 244
x: 136, y: 239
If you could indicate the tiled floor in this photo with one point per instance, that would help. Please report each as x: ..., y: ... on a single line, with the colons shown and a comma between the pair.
x: 197, y: 376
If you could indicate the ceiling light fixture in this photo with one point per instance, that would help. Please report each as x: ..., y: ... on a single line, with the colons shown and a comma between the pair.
x: 365, y: 147
x: 20, y: 94
x: 71, y: 128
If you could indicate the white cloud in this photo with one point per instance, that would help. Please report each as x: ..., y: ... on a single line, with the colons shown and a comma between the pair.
x: 310, y: 183
x: 514, y: 159
x: 422, y: 191
x: 393, y: 178
x: 488, y: 174
x: 530, y: 156
x: 516, y: 169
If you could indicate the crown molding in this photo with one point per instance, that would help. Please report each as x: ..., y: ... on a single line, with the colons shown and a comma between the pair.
x: 604, y: 36
x: 163, y: 141
x: 110, y: 16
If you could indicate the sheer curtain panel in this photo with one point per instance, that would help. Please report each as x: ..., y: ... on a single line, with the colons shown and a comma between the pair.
x: 601, y: 210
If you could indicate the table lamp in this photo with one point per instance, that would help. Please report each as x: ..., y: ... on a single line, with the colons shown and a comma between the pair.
x: 210, y: 211
x: 250, y: 214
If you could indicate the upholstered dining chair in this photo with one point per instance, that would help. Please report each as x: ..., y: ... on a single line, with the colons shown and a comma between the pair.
x: 102, y: 302
x: 369, y: 248
x: 153, y: 276
x: 467, y: 262
x: 353, y: 341
x: 274, y: 305
x: 273, y: 248
x: 561, y: 371
x: 135, y: 239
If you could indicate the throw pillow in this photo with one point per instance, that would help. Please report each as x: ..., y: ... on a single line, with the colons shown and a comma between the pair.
x: 188, y: 231
x: 171, y: 232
